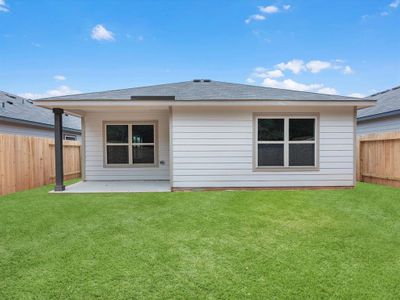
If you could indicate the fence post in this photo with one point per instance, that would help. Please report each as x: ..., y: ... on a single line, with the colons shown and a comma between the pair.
x: 358, y: 159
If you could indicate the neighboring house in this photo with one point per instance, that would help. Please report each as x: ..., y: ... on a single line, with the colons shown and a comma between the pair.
x: 210, y: 134
x: 19, y: 116
x: 383, y: 117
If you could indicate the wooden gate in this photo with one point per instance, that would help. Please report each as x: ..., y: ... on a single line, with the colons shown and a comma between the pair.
x: 27, y: 162
x: 379, y: 158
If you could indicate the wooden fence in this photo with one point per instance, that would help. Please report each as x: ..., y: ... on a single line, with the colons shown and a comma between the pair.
x: 379, y: 158
x: 27, y: 162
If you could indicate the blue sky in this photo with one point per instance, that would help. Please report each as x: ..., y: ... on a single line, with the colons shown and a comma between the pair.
x: 56, y: 47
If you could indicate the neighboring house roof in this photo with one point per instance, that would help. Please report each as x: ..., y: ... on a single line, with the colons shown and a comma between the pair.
x: 17, y: 109
x: 204, y: 90
x: 388, y: 103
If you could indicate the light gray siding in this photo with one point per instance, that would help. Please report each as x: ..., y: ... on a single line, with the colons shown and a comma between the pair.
x: 11, y: 128
x: 213, y: 147
x: 94, y: 147
x: 379, y: 125
x: 29, y: 130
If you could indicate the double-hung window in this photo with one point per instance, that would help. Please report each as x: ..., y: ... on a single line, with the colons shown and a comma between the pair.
x: 286, y: 142
x: 131, y: 144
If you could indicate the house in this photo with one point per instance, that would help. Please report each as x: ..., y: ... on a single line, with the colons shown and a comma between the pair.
x: 383, y: 117
x: 211, y: 134
x: 19, y: 116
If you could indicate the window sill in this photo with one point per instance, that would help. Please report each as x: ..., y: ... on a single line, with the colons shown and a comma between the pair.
x: 137, y: 166
x: 285, y: 169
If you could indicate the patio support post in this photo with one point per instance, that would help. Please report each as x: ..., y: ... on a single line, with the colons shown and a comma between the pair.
x: 58, y: 146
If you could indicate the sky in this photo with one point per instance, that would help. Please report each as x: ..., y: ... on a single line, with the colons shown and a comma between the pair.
x: 56, y: 47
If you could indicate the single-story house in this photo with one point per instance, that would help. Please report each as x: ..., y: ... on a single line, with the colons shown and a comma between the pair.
x: 19, y: 116
x: 211, y: 134
x: 384, y: 116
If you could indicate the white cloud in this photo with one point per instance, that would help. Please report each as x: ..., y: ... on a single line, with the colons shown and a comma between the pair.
x: 3, y: 6
x: 384, y: 13
x: 328, y: 90
x: 290, y: 84
x: 348, y: 70
x: 250, y: 80
x: 275, y: 74
x: 395, y: 4
x: 100, y: 33
x: 269, y: 77
x: 356, y: 95
x: 266, y: 10
x: 60, y: 77
x: 316, y: 66
x: 295, y: 65
x: 261, y: 72
x: 256, y: 17
x: 60, y: 91
x: 271, y: 9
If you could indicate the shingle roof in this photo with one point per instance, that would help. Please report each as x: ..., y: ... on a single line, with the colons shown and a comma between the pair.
x: 21, y: 109
x: 207, y: 90
x: 388, y: 102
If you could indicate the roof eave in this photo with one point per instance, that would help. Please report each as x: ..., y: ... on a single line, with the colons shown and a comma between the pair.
x: 37, y: 124
x: 380, y: 115
x: 223, y: 102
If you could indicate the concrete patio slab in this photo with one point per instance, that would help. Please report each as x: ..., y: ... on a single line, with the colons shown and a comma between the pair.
x: 117, y: 187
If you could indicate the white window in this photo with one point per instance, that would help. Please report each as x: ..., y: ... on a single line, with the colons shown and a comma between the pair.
x: 286, y: 142
x: 131, y: 144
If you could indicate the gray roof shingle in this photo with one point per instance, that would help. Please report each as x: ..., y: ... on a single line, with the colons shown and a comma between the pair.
x: 18, y: 108
x: 211, y: 90
x: 387, y: 102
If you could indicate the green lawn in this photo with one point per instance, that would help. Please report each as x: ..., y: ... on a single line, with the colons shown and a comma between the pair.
x: 243, y: 244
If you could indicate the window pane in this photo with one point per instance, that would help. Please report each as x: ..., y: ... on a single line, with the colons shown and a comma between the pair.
x: 270, y: 155
x: 301, y: 154
x: 301, y: 129
x: 270, y: 129
x: 142, y: 134
x: 143, y: 154
x: 117, y: 155
x: 117, y: 133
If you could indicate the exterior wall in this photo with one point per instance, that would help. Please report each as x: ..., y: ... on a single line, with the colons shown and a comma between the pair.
x: 213, y: 147
x: 379, y: 125
x: 29, y: 130
x: 94, y: 147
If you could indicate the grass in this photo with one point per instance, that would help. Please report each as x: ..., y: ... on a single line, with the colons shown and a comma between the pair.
x: 242, y: 244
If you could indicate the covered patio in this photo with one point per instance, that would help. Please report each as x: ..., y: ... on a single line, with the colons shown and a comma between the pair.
x: 142, y: 166
x: 111, y: 186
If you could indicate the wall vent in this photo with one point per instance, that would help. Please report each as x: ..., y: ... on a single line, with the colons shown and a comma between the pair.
x: 152, y: 97
x: 11, y: 96
x: 201, y: 80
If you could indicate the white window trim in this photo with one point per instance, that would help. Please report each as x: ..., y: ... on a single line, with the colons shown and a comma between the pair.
x: 285, y: 142
x: 130, y: 144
